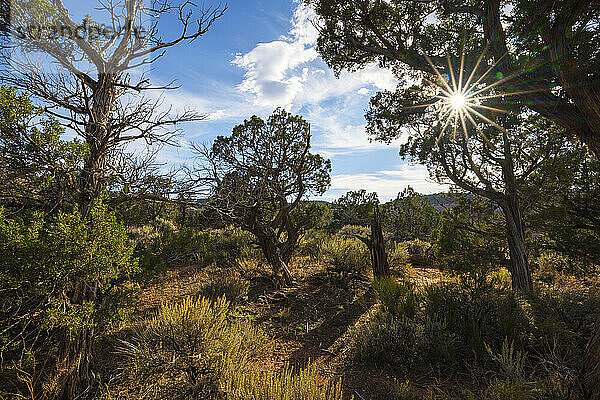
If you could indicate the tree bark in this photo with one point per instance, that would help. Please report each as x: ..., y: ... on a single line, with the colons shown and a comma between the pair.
x: 75, y: 352
x: 378, y: 254
x: 591, y: 367
x: 519, y: 264
x: 268, y: 244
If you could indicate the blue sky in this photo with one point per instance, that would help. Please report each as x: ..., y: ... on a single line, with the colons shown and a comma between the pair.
x: 261, y: 55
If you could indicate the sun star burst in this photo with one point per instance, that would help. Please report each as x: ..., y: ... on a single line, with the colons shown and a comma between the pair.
x: 460, y: 98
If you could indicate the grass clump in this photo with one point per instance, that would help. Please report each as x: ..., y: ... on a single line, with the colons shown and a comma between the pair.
x: 199, y: 349
x: 347, y: 255
x: 280, y: 385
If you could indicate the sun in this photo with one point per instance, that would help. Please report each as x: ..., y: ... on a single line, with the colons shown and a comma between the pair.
x: 458, y: 102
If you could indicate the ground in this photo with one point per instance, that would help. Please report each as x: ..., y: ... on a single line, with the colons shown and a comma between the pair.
x: 307, y: 320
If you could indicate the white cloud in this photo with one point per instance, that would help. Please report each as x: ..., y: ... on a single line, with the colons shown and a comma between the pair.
x: 363, y: 91
x: 387, y: 184
x: 288, y: 72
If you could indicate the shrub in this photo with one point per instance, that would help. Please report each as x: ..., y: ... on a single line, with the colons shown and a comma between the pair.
x: 196, y: 349
x: 397, y: 255
x: 182, y: 351
x: 346, y: 255
x: 551, y: 262
x: 229, y: 287
x: 175, y: 248
x: 398, y: 298
x: 419, y: 252
x: 282, y: 385
x: 351, y: 231
x: 405, y: 345
x: 172, y: 247
x: 227, y: 246
x: 312, y: 243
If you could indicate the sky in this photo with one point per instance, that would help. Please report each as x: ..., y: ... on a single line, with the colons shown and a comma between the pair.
x: 261, y: 55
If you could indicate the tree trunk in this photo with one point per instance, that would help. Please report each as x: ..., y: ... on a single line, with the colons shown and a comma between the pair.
x: 519, y: 264
x: 591, y: 367
x: 378, y: 254
x: 75, y: 352
x: 268, y: 244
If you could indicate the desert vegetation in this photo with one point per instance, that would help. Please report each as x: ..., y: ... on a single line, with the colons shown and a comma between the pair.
x: 231, y: 278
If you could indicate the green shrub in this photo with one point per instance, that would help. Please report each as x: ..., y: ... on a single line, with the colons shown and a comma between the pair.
x: 182, y: 351
x: 227, y: 247
x: 406, y: 346
x: 398, y: 298
x: 398, y: 255
x: 199, y: 349
x: 508, y: 390
x: 351, y: 231
x: 346, y: 255
x: 173, y: 248
x: 186, y: 246
x: 286, y: 384
x: 550, y: 263
x: 419, y: 252
x: 312, y: 243
x: 229, y: 287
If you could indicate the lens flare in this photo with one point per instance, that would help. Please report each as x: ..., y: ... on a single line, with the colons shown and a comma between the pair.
x: 458, y: 102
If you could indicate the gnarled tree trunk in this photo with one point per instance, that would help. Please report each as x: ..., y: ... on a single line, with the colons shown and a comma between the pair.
x: 269, y: 245
x: 378, y: 254
x: 519, y: 265
x: 591, y: 367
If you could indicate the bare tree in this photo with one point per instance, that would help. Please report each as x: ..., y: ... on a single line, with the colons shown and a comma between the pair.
x: 85, y: 76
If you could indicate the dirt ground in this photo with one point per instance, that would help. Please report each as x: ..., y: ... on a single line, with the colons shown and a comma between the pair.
x: 307, y: 320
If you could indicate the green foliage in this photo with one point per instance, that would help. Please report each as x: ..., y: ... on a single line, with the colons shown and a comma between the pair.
x: 313, y: 243
x: 169, y: 246
x: 353, y: 208
x: 452, y: 327
x: 229, y: 287
x: 406, y: 346
x: 45, y: 258
x: 287, y: 384
x: 397, y: 255
x: 200, y: 349
x: 310, y: 215
x: 551, y: 262
x: 38, y: 170
x: 410, y: 216
x: 172, y: 248
x: 352, y: 231
x: 398, y: 298
x: 265, y: 170
x: 466, y: 241
x: 346, y: 254
x: 419, y: 252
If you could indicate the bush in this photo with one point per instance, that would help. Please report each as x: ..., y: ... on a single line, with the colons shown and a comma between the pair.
x: 229, y: 287
x: 406, y: 346
x: 351, y: 231
x: 183, y: 350
x: 346, y: 255
x: 397, y: 255
x: 197, y: 349
x: 550, y: 263
x: 419, y: 252
x: 223, y: 247
x: 282, y: 385
x: 312, y: 243
x: 398, y: 298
